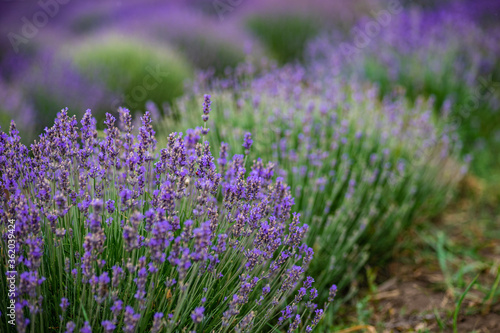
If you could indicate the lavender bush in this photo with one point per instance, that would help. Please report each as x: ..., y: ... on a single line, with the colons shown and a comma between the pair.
x: 361, y: 170
x: 113, y: 235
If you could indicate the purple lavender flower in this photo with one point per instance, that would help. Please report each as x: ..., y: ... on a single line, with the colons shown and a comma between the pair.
x: 313, y: 293
x: 102, y: 292
x: 308, y: 282
x: 86, y: 328
x: 287, y: 313
x: 318, y: 314
x: 117, y: 276
x: 117, y: 308
x: 247, y: 144
x: 110, y: 206
x: 197, y: 315
x: 157, y: 322
x: 207, y: 104
x: 140, y: 281
x: 108, y: 326
x: 300, y: 294
x: 64, y: 304
x: 70, y: 327
x: 332, y: 293
x: 295, y: 324
x: 130, y: 320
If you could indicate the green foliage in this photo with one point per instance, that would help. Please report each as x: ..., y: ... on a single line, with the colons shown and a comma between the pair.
x: 87, y: 22
x: 284, y: 35
x: 5, y: 119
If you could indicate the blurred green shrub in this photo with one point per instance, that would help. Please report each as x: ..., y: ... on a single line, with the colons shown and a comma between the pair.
x: 205, y: 52
x: 137, y: 70
x: 87, y: 22
x: 284, y: 35
x: 5, y: 119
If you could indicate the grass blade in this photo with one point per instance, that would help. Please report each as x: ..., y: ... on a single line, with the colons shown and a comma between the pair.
x: 457, y: 309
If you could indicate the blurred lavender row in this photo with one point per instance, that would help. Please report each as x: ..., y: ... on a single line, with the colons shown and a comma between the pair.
x: 34, y: 56
x: 457, y: 41
x: 444, y: 53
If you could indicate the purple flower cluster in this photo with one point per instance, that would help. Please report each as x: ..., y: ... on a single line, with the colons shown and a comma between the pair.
x: 247, y: 144
x: 139, y: 231
x: 206, y: 108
